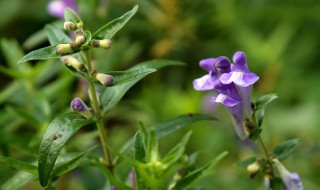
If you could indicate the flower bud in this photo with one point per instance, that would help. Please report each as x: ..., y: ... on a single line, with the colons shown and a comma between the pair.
x: 253, y: 169
x: 74, y: 63
x: 69, y: 25
x: 64, y: 49
x: 78, y: 105
x: 80, y: 40
x: 104, y: 79
x: 78, y: 32
x: 106, y: 43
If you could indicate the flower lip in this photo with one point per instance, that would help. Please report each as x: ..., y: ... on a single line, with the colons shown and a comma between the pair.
x: 207, y: 64
x: 222, y: 65
x: 239, y: 58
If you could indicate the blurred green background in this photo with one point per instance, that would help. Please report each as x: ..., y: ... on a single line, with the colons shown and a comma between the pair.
x: 280, y: 38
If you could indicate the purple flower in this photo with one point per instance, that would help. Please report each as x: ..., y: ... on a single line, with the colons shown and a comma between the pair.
x: 78, y: 105
x: 233, y: 83
x: 114, y: 188
x: 56, y: 7
x: 291, y: 181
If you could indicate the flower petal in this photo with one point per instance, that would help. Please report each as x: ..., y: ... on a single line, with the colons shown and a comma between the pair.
x: 207, y: 64
x: 222, y: 65
x: 203, y: 83
x: 240, y: 61
x: 225, y: 100
x: 239, y: 78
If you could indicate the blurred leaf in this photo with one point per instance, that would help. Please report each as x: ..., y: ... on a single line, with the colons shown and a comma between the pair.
x: 121, y: 77
x: 177, y: 151
x: 276, y: 184
x: 263, y: 101
x: 12, y: 52
x: 20, y: 165
x: 56, y: 35
x: 190, y: 178
x: 71, y: 164
x: 56, y: 135
x: 170, y: 126
x: 110, y: 29
x: 139, y: 148
x: 260, y: 116
x: 285, y: 149
x: 113, y: 180
x: 71, y: 16
x: 41, y: 54
x: 245, y: 163
x: 17, y: 181
x: 112, y: 95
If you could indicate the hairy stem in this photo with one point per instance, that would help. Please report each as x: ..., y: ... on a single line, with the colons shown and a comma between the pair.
x: 98, y: 116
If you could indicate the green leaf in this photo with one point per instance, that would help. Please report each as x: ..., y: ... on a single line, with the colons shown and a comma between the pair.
x: 41, y: 54
x: 110, y: 29
x: 285, y: 149
x: 71, y: 16
x: 17, y: 181
x: 276, y: 184
x: 20, y: 165
x: 170, y: 126
x: 152, y: 151
x: 72, y: 163
x: 260, y: 116
x: 190, y: 178
x: 177, y: 151
x: 139, y: 148
x: 56, y: 35
x: 115, y: 181
x: 121, y: 77
x: 112, y: 95
x: 245, y: 163
x: 56, y: 135
x: 263, y: 101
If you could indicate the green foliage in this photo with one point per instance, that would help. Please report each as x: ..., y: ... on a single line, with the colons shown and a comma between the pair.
x: 245, y: 163
x: 20, y: 165
x: 286, y: 148
x: 109, y: 30
x: 260, y: 107
x: 111, y: 96
x: 57, y: 134
x: 41, y: 54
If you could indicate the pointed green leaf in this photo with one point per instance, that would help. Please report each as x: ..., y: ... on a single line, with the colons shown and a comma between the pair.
x: 170, y: 126
x: 177, y: 151
x: 41, y: 54
x: 152, y: 151
x: 71, y: 164
x: 110, y: 29
x: 190, y: 178
x: 20, y: 165
x: 120, y: 77
x: 56, y: 135
x: 112, y: 95
x: 71, y: 16
x: 263, y: 101
x: 285, y: 149
x: 56, y: 35
x: 139, y: 150
x: 245, y: 163
x: 260, y: 116
x: 115, y: 181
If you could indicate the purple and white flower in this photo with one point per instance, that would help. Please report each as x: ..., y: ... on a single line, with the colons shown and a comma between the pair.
x: 56, y: 7
x: 78, y: 105
x: 233, y: 83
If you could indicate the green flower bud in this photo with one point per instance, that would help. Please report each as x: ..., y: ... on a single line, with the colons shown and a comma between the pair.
x: 80, y: 40
x: 78, y: 32
x: 69, y: 25
x: 74, y: 63
x: 106, y: 43
x: 104, y: 79
x: 79, y: 24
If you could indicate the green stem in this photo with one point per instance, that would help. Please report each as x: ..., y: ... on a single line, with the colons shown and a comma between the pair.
x: 98, y: 116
